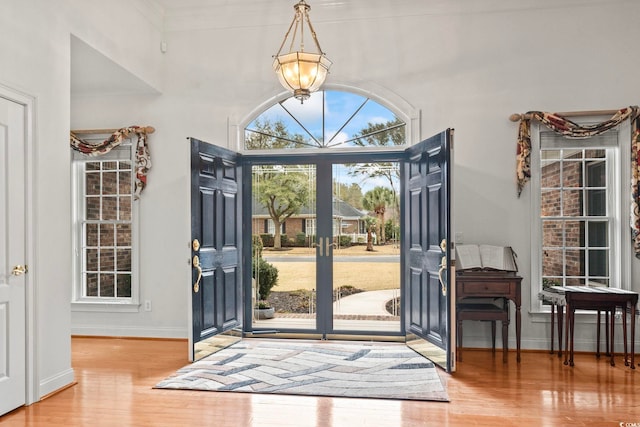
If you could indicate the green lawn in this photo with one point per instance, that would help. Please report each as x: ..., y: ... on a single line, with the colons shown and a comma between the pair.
x: 368, y: 276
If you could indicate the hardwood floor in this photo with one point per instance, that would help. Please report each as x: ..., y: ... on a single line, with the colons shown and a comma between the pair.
x: 115, y: 379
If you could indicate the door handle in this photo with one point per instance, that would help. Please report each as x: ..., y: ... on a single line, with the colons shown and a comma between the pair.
x: 319, y: 245
x: 19, y: 270
x: 324, y: 243
x: 443, y: 267
x: 196, y: 264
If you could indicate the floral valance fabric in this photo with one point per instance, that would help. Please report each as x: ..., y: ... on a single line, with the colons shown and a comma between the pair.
x: 142, y: 156
x: 564, y: 127
x: 635, y: 183
x: 573, y: 130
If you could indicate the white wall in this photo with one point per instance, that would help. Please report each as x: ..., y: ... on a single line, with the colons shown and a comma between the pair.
x: 460, y: 67
x: 34, y: 47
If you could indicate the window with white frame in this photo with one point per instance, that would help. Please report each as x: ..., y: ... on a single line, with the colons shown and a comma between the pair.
x: 577, y: 194
x: 310, y: 226
x: 105, y: 227
x: 271, y: 227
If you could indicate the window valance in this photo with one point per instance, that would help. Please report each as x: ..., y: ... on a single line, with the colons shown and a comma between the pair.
x: 562, y: 125
x: 142, y: 155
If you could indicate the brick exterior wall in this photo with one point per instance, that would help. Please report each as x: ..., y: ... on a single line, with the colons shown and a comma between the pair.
x: 108, y: 246
x: 295, y: 226
x: 553, y: 231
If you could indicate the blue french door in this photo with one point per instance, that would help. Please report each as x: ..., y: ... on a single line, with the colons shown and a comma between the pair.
x: 222, y: 277
x: 324, y: 269
x: 216, y: 242
x: 427, y: 235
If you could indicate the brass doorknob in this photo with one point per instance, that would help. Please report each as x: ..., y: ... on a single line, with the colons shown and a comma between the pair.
x: 443, y: 268
x: 196, y: 265
x: 19, y: 270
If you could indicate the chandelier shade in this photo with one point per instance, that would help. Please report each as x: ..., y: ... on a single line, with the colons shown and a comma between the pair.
x: 298, y: 71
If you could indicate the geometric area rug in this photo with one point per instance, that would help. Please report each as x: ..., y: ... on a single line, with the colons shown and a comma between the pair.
x: 317, y: 368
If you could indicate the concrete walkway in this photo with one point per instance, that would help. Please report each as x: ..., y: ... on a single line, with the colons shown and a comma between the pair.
x: 370, y: 302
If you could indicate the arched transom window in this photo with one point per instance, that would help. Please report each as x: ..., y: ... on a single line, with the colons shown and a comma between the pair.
x: 328, y: 119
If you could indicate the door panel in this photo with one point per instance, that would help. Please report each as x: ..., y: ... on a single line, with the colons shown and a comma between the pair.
x: 427, y: 233
x: 216, y: 286
x: 318, y: 267
x: 12, y: 256
x: 286, y: 194
x: 366, y: 251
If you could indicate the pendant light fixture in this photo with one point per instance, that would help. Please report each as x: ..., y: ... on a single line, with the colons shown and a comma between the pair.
x: 299, y: 71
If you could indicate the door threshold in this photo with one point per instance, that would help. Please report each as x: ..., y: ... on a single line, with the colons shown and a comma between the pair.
x: 316, y: 336
x: 363, y: 337
x: 283, y: 335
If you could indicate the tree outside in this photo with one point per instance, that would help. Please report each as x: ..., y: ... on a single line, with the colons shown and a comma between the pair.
x: 283, y: 191
x: 376, y: 201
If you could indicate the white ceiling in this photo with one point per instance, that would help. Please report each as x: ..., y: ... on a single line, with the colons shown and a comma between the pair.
x: 94, y: 74
x: 169, y: 5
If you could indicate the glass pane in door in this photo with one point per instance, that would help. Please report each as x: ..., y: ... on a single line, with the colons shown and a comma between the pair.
x: 283, y: 247
x: 366, y: 254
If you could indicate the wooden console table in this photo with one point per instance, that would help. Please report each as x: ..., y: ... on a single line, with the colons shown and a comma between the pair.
x: 592, y: 298
x: 492, y: 284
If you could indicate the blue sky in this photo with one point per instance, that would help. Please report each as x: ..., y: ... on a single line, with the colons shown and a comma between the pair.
x: 338, y: 108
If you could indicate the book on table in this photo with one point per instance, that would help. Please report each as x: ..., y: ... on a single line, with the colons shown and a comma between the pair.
x: 486, y: 258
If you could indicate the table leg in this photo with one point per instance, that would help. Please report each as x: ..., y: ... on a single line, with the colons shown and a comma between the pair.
x: 560, y: 318
x: 505, y: 340
x: 553, y: 313
x: 567, y: 333
x: 606, y: 330
x: 570, y: 330
x: 572, y: 321
x: 633, y: 333
x: 518, y: 329
x: 459, y: 349
x: 612, y: 325
x: 598, y: 334
x: 624, y: 333
x: 493, y: 336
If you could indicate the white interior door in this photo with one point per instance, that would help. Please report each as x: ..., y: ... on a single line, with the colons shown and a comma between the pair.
x: 12, y: 256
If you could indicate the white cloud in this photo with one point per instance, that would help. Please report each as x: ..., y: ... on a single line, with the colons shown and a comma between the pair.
x: 308, y: 111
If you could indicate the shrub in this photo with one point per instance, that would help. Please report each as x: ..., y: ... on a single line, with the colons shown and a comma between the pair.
x: 267, y: 240
x: 344, y: 241
x: 301, y: 240
x: 391, y: 231
x: 267, y: 277
x: 256, y: 246
x: 310, y: 240
x: 263, y: 304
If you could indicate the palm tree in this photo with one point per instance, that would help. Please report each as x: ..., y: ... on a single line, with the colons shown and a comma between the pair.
x: 370, y: 226
x: 376, y: 201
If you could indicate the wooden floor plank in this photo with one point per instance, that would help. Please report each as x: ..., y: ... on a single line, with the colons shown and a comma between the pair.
x: 115, y: 379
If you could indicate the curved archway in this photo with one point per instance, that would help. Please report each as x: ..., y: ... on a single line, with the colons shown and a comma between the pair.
x: 339, y: 118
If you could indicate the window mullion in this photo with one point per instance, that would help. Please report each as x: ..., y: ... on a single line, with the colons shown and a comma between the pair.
x: 106, y: 261
x: 575, y: 212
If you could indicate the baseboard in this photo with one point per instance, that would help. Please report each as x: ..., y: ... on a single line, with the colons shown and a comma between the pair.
x: 125, y: 331
x: 541, y: 344
x: 55, y: 383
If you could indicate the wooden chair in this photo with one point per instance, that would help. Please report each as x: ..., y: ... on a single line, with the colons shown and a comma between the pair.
x: 485, y: 312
